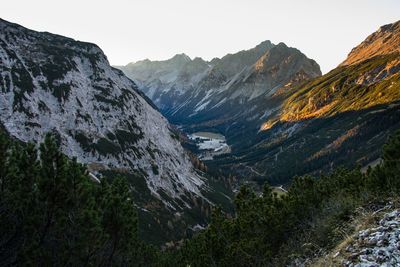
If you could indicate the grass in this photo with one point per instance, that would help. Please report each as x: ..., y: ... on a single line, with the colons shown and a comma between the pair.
x: 365, y: 218
x: 342, y: 90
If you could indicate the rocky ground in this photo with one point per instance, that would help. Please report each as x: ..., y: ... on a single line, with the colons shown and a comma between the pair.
x: 377, y: 246
x: 372, y: 239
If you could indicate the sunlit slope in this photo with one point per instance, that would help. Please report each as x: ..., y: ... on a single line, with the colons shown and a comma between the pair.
x: 372, y: 82
x: 340, y: 118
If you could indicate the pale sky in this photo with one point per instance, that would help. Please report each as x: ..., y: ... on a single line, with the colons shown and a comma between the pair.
x: 131, y: 30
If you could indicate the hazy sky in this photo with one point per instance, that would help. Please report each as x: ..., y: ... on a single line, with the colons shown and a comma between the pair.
x: 131, y: 30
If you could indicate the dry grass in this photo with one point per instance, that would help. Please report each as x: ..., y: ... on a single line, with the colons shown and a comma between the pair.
x: 364, y: 219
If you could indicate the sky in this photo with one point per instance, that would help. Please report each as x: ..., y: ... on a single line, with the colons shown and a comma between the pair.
x: 132, y: 30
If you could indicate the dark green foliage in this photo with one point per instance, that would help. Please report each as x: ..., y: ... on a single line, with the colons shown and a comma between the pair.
x: 126, y: 138
x: 84, y: 142
x: 315, y: 149
x: 103, y: 99
x: 23, y: 82
x: 61, y: 91
x: 154, y: 168
x: 52, y: 214
x: 105, y: 146
x: 387, y: 175
x: 270, y: 230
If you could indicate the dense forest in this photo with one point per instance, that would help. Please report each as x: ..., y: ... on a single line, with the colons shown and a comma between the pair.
x: 52, y: 213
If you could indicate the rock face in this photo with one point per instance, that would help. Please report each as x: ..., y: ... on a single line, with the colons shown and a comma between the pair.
x: 237, y: 90
x: 378, y: 246
x: 382, y: 42
x: 50, y: 83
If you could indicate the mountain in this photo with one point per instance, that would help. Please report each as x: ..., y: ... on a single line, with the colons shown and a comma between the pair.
x: 382, y: 42
x: 172, y: 79
x: 275, y: 110
x: 228, y: 95
x: 50, y: 83
x: 340, y: 118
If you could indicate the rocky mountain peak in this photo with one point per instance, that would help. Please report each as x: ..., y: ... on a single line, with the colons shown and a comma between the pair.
x: 286, y: 60
x: 180, y: 58
x: 232, y: 64
x: 384, y: 41
x: 264, y: 46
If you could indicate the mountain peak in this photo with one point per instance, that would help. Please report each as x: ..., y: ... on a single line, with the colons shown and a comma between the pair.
x: 181, y: 57
x: 386, y: 40
x: 282, y: 44
x: 140, y: 62
x: 389, y: 27
x: 267, y: 44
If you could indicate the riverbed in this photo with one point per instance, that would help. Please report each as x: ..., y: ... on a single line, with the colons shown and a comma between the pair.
x: 210, y: 144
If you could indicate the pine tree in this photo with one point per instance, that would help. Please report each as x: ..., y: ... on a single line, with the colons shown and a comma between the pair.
x: 119, y: 222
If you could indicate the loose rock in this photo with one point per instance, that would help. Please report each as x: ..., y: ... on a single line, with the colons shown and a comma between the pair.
x: 379, y: 246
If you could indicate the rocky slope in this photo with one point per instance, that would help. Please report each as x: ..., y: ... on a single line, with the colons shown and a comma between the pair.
x: 374, y: 241
x: 377, y: 246
x: 340, y: 118
x: 50, y: 83
x: 231, y: 95
x: 368, y: 77
x: 382, y: 42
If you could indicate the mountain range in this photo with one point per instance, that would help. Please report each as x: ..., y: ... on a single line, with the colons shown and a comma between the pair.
x: 196, y: 94
x: 279, y: 116
x: 341, y: 118
x: 113, y: 174
x: 276, y: 109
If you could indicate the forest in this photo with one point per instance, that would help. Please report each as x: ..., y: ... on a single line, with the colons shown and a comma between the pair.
x: 53, y: 213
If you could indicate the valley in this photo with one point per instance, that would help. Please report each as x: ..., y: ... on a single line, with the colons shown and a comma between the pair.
x: 254, y: 158
x: 275, y: 109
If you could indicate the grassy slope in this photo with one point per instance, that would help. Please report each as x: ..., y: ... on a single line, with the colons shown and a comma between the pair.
x: 341, y: 90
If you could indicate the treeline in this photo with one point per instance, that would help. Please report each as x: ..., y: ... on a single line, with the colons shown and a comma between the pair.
x: 52, y: 214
